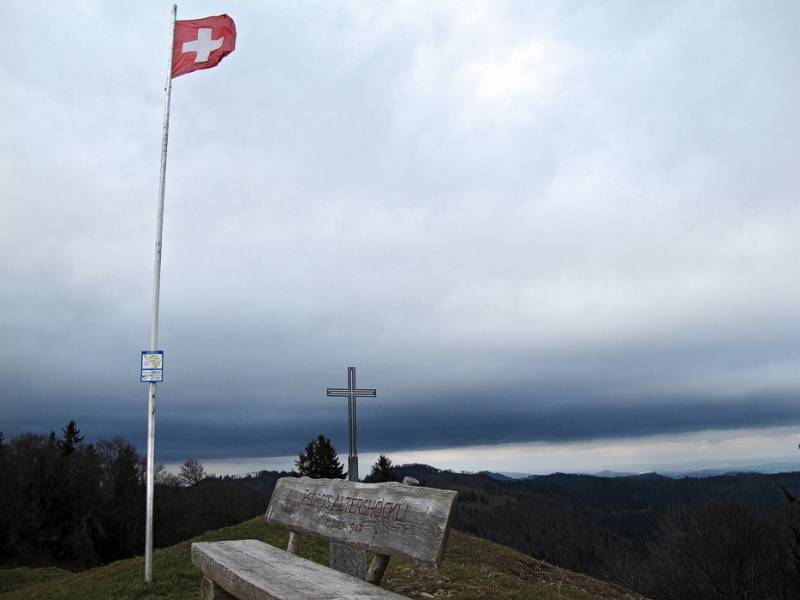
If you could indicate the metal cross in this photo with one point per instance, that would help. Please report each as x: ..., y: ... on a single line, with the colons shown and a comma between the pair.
x: 351, y: 392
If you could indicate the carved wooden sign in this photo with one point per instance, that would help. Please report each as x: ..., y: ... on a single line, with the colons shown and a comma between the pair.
x: 387, y: 518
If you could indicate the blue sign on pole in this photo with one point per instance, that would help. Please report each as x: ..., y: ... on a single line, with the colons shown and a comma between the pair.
x: 152, y: 366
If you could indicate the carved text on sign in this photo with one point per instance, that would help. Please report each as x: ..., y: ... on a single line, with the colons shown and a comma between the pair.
x: 378, y: 509
x: 346, y: 526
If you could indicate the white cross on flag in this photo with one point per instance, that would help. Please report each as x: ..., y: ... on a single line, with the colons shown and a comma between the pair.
x: 202, y: 43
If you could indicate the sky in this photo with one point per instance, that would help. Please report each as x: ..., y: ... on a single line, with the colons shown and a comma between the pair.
x: 552, y: 235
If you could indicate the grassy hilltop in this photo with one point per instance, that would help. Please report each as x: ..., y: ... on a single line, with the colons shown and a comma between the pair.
x: 473, y: 568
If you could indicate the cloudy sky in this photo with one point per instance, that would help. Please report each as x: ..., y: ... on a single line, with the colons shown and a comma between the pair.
x: 552, y: 234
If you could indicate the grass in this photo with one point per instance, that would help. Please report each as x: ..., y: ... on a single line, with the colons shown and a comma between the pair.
x: 473, y: 569
x: 11, y: 579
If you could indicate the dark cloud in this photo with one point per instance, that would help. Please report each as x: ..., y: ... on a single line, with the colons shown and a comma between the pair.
x: 442, y: 422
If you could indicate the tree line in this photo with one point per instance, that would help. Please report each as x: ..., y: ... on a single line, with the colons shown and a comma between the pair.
x: 80, y: 504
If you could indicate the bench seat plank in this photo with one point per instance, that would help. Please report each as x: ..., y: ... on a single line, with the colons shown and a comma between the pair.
x: 252, y: 570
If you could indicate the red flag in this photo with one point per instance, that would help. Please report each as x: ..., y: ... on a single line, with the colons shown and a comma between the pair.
x: 202, y: 43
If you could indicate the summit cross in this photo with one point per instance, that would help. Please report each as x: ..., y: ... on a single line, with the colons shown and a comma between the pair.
x: 351, y: 392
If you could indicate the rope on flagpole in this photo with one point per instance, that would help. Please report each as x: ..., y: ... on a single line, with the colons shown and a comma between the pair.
x: 151, y: 388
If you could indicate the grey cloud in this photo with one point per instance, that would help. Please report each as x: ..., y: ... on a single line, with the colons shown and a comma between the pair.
x: 592, y: 210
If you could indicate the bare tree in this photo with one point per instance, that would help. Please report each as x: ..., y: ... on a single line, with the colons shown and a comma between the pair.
x: 720, y: 550
x: 192, y: 472
x: 166, y: 478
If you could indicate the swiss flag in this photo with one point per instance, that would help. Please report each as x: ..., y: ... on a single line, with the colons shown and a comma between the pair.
x: 202, y: 43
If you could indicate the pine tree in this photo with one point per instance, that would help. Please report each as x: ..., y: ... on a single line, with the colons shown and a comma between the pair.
x: 319, y: 460
x: 382, y: 471
x: 72, y: 437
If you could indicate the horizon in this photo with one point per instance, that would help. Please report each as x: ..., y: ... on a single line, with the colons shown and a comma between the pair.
x: 600, y: 456
x: 770, y: 466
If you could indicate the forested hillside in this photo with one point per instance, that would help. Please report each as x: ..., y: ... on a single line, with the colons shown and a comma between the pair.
x: 76, y: 505
x: 668, y: 538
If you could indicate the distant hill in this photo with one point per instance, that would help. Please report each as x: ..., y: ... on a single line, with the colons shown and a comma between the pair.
x: 473, y: 569
x: 772, y: 468
x: 497, y: 476
x: 614, y: 474
x: 594, y: 525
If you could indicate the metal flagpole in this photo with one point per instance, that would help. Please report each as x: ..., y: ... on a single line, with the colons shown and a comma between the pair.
x: 151, y: 388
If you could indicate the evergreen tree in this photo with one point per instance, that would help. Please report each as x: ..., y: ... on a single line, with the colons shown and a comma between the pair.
x: 72, y: 437
x: 122, y: 489
x: 382, y: 471
x: 2, y: 442
x: 319, y: 460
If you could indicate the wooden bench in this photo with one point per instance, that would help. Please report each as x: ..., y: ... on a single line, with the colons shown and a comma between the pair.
x: 389, y: 519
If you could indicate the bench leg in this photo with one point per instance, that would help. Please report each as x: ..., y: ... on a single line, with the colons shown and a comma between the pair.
x: 294, y: 543
x: 211, y: 591
x: 377, y: 568
x: 348, y: 559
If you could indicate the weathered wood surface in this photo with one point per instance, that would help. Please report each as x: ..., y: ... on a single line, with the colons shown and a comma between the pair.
x: 252, y: 570
x: 211, y: 591
x: 293, y: 547
x: 377, y: 568
x: 348, y: 558
x: 386, y: 518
